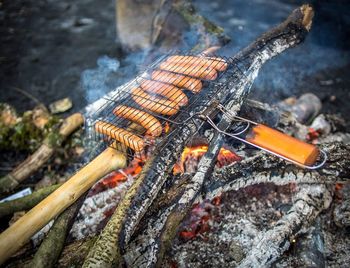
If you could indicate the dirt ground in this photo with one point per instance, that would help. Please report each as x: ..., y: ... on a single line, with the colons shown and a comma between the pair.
x: 46, y: 45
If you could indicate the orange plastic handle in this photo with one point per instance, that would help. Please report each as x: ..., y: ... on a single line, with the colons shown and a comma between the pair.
x: 285, y: 145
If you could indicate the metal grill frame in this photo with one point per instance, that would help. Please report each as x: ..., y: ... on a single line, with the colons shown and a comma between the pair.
x: 182, y: 116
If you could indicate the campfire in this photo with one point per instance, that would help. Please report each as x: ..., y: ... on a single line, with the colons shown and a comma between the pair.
x: 184, y: 173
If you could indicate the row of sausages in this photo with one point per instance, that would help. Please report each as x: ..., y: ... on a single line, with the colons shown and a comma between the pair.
x: 168, y: 81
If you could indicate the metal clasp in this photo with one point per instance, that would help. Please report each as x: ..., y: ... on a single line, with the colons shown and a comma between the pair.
x: 249, y: 123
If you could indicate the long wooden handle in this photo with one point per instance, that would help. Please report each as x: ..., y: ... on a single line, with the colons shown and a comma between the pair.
x: 22, y: 230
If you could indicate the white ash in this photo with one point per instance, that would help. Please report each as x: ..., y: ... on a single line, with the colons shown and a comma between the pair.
x: 321, y: 125
x: 40, y: 235
x: 270, y: 245
x: 336, y: 137
x: 94, y: 208
x: 242, y: 217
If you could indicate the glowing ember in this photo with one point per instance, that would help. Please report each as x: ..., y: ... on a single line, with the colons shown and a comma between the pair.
x: 119, y: 176
x: 191, y: 156
x: 132, y: 170
x: 338, y: 192
x: 202, y: 216
x: 166, y: 127
x: 188, y: 162
x: 312, y: 134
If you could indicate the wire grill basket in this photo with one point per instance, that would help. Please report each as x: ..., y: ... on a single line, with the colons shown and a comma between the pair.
x: 164, y: 96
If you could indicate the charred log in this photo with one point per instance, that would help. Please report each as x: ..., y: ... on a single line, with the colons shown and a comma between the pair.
x: 109, y: 247
x: 263, y: 168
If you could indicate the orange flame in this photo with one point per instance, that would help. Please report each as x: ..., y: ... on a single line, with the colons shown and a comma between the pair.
x: 116, y: 177
x: 166, y: 127
x: 225, y: 157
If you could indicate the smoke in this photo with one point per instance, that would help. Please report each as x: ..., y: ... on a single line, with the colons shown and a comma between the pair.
x: 99, y: 81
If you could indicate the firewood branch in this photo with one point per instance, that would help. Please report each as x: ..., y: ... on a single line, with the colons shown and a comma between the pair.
x: 52, y: 246
x: 53, y: 141
x: 26, y: 202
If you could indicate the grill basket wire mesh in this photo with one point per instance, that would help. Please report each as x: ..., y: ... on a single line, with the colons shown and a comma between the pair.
x: 122, y: 133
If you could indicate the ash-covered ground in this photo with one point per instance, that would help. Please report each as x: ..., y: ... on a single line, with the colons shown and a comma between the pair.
x: 241, y: 215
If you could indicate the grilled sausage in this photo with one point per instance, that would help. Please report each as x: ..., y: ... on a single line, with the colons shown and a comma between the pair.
x: 199, y: 71
x: 168, y: 91
x: 127, y: 138
x: 179, y: 80
x: 218, y: 64
x: 149, y: 122
x: 154, y: 104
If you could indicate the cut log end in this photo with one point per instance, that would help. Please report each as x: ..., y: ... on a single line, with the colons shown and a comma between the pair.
x: 308, y: 14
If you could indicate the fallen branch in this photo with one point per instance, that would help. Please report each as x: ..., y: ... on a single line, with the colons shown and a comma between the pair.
x: 26, y: 202
x: 51, y: 248
x: 53, y: 141
x: 154, y: 23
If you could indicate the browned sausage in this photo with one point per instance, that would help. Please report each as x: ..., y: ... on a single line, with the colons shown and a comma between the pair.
x: 198, y: 71
x: 179, y: 80
x: 121, y: 135
x: 218, y: 64
x: 149, y: 122
x: 169, y: 91
x: 153, y: 103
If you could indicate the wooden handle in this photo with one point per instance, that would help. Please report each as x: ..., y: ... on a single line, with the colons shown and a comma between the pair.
x: 13, y: 238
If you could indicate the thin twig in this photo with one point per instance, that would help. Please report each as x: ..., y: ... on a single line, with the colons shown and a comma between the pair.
x: 28, y: 95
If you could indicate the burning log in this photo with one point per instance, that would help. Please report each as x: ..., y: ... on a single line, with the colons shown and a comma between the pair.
x: 146, y: 244
x: 109, y: 247
x: 42, y: 155
x: 314, y: 196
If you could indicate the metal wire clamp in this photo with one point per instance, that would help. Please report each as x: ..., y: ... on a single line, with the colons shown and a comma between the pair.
x: 249, y: 123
